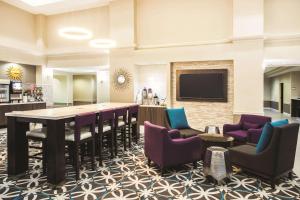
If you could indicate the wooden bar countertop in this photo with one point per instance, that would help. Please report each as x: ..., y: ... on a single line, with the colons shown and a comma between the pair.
x: 66, y: 112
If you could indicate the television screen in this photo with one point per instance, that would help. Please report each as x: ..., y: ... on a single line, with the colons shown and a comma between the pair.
x: 202, y: 85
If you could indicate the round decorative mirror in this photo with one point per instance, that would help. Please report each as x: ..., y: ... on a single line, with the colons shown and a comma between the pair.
x: 121, y: 79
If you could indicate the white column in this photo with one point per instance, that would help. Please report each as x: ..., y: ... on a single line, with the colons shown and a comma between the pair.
x: 248, y: 31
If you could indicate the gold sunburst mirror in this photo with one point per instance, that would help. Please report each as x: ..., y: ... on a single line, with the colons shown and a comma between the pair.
x: 14, y: 73
x: 121, y: 79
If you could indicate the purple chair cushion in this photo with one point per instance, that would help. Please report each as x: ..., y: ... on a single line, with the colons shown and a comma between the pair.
x: 249, y: 125
x: 239, y: 135
x: 255, y: 119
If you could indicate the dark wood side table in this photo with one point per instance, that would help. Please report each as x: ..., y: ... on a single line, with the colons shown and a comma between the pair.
x: 213, y: 139
x: 154, y: 114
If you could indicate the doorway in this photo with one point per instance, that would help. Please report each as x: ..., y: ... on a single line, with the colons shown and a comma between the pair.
x: 281, y: 97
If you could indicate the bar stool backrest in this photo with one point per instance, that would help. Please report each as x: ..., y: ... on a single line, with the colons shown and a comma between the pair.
x: 106, y: 116
x: 120, y: 113
x: 133, y: 111
x: 84, y: 120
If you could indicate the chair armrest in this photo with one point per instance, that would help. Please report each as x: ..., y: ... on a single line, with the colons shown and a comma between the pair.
x: 231, y: 127
x: 182, y: 150
x: 254, y: 135
x: 174, y: 133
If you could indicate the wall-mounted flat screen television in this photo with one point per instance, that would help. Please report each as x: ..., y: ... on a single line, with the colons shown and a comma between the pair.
x: 202, y: 85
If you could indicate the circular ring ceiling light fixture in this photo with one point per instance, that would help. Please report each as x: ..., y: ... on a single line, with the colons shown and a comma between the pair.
x: 102, y: 43
x: 75, y: 33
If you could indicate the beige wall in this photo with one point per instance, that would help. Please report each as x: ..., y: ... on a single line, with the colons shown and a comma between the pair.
x: 267, y: 89
x: 248, y: 21
x: 29, y: 71
x: 103, y: 86
x: 95, y: 20
x: 18, y: 36
x: 282, y: 17
x: 154, y: 77
x: 60, y: 89
x: 17, y: 26
x: 275, y: 88
x: 123, y: 58
x: 176, y: 21
x: 84, y: 88
x: 282, y: 29
x: 121, y: 22
x: 295, y: 93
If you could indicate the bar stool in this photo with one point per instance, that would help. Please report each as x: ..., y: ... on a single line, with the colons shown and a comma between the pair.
x: 81, y: 135
x: 105, y: 127
x: 120, y: 126
x: 132, y: 122
x: 38, y: 135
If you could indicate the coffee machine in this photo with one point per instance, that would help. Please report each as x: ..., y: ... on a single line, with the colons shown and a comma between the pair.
x: 16, y: 91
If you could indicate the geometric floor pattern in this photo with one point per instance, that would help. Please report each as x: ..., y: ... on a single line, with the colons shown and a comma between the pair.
x: 129, y: 177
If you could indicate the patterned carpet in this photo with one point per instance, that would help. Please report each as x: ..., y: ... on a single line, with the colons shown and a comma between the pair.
x: 129, y: 177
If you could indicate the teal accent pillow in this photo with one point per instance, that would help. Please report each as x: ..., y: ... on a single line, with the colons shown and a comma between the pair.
x: 265, y: 137
x: 177, y: 118
x: 280, y: 123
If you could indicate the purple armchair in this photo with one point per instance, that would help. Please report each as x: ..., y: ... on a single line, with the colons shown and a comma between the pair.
x: 248, y: 129
x: 166, y: 148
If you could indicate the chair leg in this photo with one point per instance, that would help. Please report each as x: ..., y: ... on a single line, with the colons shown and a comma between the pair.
x: 83, y: 152
x: 123, y: 130
x: 162, y: 171
x: 100, y: 147
x: 273, y: 184
x: 93, y: 154
x: 44, y: 161
x: 27, y: 141
x: 115, y: 142
x: 70, y: 151
x: 129, y: 136
x: 73, y: 154
x: 195, y: 164
x: 290, y: 175
x: 110, y: 138
x: 135, y: 133
x: 76, y: 159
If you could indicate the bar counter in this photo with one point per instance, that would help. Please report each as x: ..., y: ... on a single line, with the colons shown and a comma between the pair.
x: 54, y: 119
x: 10, y: 107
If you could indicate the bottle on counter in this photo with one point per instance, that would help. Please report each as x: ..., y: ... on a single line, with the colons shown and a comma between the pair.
x: 144, y: 96
x: 155, y: 99
x: 150, y: 97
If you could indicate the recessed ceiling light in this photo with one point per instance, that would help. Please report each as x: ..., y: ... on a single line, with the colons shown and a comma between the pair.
x: 40, y: 2
x: 75, y: 33
x: 103, y: 43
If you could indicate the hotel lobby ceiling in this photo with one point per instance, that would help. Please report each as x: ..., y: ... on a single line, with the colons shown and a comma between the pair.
x: 50, y: 7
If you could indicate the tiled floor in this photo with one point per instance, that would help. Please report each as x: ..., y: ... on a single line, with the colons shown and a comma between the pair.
x: 276, y: 116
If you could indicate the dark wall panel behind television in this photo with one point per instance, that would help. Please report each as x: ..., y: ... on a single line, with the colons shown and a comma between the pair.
x: 202, y: 85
